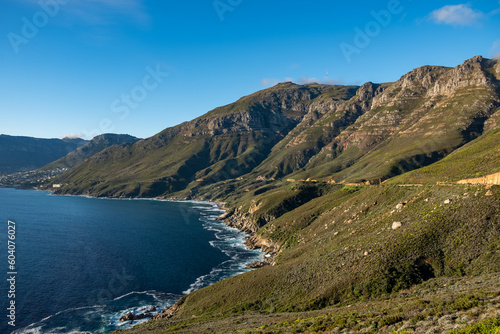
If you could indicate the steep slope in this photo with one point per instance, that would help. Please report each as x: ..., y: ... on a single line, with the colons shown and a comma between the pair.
x: 476, y: 159
x: 26, y: 153
x: 342, y: 251
x: 272, y: 158
x: 327, y: 117
x: 96, y: 145
x: 223, y: 144
x: 318, y: 132
x: 340, y: 246
x: 418, y: 120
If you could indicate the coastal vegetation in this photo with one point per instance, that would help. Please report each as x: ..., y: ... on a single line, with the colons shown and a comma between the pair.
x: 352, y: 192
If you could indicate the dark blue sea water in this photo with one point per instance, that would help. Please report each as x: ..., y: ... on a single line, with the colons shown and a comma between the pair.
x: 82, y: 262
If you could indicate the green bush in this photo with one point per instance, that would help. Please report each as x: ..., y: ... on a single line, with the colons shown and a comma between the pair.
x: 489, y: 326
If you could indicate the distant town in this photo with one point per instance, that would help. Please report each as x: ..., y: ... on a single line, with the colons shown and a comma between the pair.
x: 30, y: 178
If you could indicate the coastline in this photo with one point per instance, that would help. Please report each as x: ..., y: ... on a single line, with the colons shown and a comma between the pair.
x: 225, y: 217
x: 270, y: 249
x: 230, y: 217
x: 233, y: 219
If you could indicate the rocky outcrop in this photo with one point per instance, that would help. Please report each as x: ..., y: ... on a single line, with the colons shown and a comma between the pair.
x: 242, y: 221
x: 486, y: 180
x: 148, y: 314
x: 267, y: 246
x: 168, y: 312
x: 246, y: 222
x: 473, y: 72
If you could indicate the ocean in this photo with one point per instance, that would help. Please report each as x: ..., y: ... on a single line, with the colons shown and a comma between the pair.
x: 79, y: 263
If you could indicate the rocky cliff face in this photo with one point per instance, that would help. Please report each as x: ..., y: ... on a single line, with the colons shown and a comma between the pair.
x: 340, y: 133
x: 417, y: 120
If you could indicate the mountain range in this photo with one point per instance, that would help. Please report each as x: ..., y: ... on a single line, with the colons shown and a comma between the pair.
x: 92, y: 147
x: 27, y: 153
x: 377, y: 206
x: 366, y: 133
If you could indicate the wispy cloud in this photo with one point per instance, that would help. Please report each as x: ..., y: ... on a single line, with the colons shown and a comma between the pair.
x: 457, y: 15
x: 274, y: 81
x: 495, y: 49
x: 495, y: 11
x: 103, y: 12
x: 266, y: 82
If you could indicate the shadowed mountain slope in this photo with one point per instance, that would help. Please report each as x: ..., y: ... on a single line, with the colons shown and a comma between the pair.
x: 26, y: 153
x: 326, y: 133
x: 94, y: 146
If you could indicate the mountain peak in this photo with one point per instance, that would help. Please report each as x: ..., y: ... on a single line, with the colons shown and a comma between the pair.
x: 285, y: 84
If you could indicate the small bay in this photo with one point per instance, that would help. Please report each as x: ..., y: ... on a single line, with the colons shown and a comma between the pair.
x: 83, y: 262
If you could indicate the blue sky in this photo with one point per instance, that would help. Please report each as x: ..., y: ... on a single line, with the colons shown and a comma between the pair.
x: 75, y: 67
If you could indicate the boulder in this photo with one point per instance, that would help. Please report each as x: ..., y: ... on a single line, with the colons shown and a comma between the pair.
x: 127, y: 317
x: 255, y: 265
x: 143, y: 316
x: 396, y: 225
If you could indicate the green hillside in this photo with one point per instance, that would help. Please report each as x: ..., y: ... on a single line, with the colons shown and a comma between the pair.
x: 350, y: 191
x: 94, y: 146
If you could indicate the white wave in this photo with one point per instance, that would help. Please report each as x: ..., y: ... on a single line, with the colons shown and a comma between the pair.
x: 231, y: 242
x: 228, y: 240
x: 35, y: 330
x: 37, y: 327
x: 152, y: 293
x: 161, y: 300
x: 208, y: 206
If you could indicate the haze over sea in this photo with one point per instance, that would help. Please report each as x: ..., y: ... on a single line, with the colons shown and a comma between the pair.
x: 83, y: 262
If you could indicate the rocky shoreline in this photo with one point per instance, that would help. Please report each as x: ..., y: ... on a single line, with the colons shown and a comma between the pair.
x: 234, y: 218
x: 165, y: 313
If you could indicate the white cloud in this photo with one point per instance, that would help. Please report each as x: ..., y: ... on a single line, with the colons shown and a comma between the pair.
x: 267, y: 82
x: 326, y: 81
x: 74, y: 135
x: 495, y: 12
x: 457, y: 15
x: 495, y: 49
x: 307, y: 81
x: 270, y: 81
